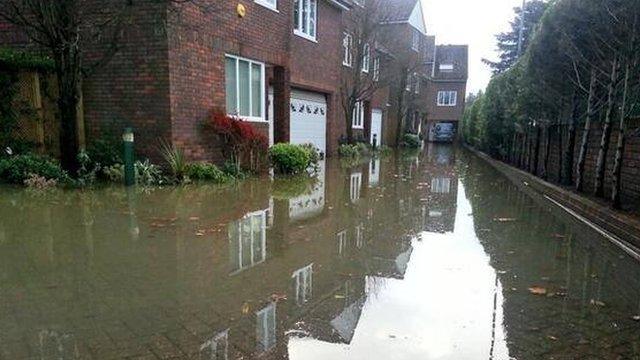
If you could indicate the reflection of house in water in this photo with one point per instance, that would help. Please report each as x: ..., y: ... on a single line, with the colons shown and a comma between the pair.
x: 355, y: 186
x: 311, y: 204
x: 374, y: 172
x: 248, y: 241
x: 216, y: 348
x: 439, y: 207
x: 266, y: 336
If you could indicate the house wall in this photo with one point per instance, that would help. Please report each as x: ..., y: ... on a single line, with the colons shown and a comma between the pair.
x: 198, y: 41
x: 316, y: 66
x: 445, y: 113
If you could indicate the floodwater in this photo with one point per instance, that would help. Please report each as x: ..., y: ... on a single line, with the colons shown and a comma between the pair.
x: 425, y: 256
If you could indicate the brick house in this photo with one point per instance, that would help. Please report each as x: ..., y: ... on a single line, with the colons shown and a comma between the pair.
x: 276, y: 63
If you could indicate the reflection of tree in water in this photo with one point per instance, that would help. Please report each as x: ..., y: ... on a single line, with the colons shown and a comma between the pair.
x: 588, y: 288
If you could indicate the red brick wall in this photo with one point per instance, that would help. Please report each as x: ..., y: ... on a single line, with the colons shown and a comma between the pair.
x: 445, y: 113
x: 316, y: 66
x: 198, y: 41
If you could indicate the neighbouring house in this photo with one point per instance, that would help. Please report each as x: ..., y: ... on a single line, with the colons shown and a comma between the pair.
x: 275, y: 63
x: 446, y: 92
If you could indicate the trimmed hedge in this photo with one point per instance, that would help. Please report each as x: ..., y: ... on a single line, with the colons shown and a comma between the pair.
x: 289, y: 158
x: 17, y: 169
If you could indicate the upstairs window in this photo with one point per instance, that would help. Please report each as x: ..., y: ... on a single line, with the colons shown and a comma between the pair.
x: 271, y: 4
x: 347, y: 42
x: 446, y: 67
x: 357, y: 120
x: 447, y: 98
x: 305, y: 18
x: 366, y: 58
x: 245, y: 89
x: 415, y: 40
x: 376, y: 69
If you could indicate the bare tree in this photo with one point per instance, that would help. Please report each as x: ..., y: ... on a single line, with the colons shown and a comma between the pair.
x: 67, y: 30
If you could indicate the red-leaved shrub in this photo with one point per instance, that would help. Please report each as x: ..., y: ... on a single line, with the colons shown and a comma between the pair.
x: 241, y: 141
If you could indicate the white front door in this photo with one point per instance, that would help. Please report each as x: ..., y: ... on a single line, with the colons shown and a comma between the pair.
x: 270, y: 114
x: 376, y: 126
x: 308, y: 119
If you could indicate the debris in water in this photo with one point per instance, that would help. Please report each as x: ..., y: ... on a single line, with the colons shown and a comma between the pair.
x: 597, y: 303
x: 538, y: 290
x: 551, y: 337
x: 278, y: 297
x: 194, y: 218
x: 504, y: 220
x: 636, y: 318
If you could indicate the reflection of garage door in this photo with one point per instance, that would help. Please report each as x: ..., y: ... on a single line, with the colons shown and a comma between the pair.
x: 312, y: 203
x: 308, y: 119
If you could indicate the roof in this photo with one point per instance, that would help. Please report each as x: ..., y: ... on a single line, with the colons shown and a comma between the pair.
x: 400, y: 10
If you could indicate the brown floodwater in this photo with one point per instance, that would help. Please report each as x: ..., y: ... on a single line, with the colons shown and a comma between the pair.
x: 430, y: 255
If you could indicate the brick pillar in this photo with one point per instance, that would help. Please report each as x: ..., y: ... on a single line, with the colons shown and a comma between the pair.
x: 281, y: 104
x: 367, y: 122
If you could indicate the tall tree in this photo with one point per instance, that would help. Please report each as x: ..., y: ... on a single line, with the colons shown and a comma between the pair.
x: 508, y: 41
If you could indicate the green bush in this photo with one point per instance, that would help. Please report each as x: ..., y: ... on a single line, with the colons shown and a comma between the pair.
x: 411, y: 141
x: 17, y: 169
x: 146, y: 173
x: 289, y: 158
x: 105, y: 152
x: 348, y: 151
x: 206, y: 171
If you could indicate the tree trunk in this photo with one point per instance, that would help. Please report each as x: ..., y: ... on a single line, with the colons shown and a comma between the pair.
x: 585, y: 134
x: 606, y: 131
x: 67, y: 62
x: 547, y: 151
x: 559, y: 134
x: 536, y: 152
x: 567, y: 163
x: 349, y: 110
x: 617, y: 165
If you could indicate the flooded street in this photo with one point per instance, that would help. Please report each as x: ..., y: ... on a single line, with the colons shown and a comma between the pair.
x: 426, y: 256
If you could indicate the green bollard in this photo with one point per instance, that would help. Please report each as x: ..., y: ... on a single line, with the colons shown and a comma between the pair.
x: 129, y: 170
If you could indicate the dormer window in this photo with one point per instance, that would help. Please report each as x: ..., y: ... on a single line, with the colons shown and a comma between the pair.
x: 305, y: 18
x: 446, y: 67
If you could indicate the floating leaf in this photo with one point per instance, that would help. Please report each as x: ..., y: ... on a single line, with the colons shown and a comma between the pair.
x: 597, y: 303
x: 503, y: 220
x: 246, y: 308
x: 538, y: 290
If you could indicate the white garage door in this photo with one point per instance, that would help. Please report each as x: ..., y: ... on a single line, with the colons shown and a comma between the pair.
x: 309, y: 119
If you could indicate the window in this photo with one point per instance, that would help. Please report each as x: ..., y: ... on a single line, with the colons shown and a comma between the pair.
x: 376, y: 69
x: 347, y: 42
x: 217, y: 348
x: 355, y: 186
x: 416, y: 83
x: 245, y: 88
x: 447, y: 98
x: 415, y: 40
x: 303, y: 284
x: 366, y: 58
x: 304, y: 17
x: 247, y: 241
x: 441, y: 185
x: 446, y: 67
x: 357, y: 120
x: 409, y: 82
x: 271, y: 4
x: 266, y: 328
x: 359, y: 236
x: 342, y: 242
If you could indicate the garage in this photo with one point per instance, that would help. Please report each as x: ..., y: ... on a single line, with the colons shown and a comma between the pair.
x: 308, y: 119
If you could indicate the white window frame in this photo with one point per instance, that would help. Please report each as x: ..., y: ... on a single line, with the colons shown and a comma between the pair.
x: 269, y: 4
x: 441, y: 185
x: 303, y: 284
x: 446, y: 67
x: 376, y: 69
x: 342, y: 242
x: 366, y: 58
x: 415, y: 40
x: 447, y: 98
x: 416, y: 84
x: 347, y: 44
x: 360, y: 236
x: 409, y: 82
x: 355, y: 186
x: 357, y: 119
x: 269, y: 330
x: 312, y: 21
x: 221, y: 340
x: 262, y: 239
x: 262, y: 117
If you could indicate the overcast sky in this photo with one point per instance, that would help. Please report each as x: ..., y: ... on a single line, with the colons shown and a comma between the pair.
x: 472, y: 22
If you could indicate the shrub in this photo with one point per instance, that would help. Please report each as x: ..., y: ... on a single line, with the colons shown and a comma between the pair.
x: 384, y: 150
x: 289, y: 158
x: 206, y: 171
x: 17, y: 169
x: 411, y: 141
x: 39, y: 182
x: 348, y: 150
x: 105, y: 152
x: 314, y: 156
x: 175, y: 159
x: 242, y: 143
x: 88, y: 169
x: 145, y: 173
x: 114, y: 172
